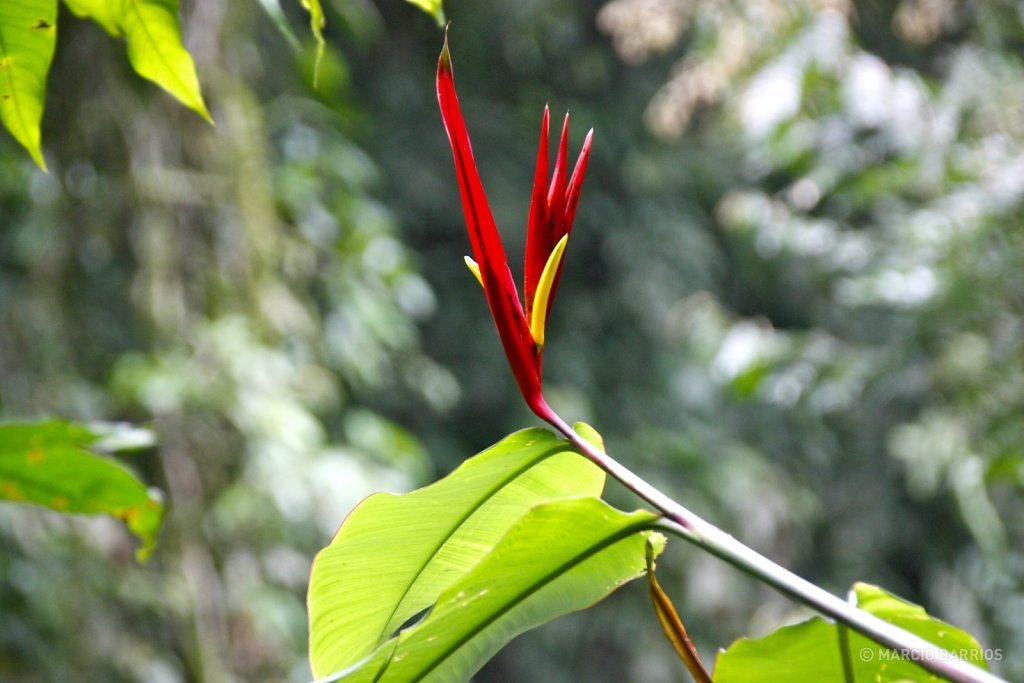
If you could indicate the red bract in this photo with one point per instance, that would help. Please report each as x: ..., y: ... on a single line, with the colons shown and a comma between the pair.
x: 552, y: 209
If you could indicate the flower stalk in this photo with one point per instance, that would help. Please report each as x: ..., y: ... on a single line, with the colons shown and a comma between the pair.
x: 682, y: 522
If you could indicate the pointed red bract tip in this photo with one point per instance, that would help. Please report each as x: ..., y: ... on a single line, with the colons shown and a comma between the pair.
x: 539, y: 237
x: 444, y: 61
x: 499, y: 289
x: 556, y: 192
x: 552, y: 206
x: 572, y: 193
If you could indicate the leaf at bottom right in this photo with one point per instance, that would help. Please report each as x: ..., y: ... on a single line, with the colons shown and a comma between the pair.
x: 810, y: 651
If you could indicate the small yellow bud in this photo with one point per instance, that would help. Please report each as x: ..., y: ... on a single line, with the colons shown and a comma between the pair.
x: 475, y: 269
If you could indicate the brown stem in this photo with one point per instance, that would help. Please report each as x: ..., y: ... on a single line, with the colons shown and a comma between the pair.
x: 672, y: 625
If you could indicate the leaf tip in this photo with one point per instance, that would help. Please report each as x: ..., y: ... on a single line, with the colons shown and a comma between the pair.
x: 201, y: 109
x: 35, y: 150
x: 144, y: 552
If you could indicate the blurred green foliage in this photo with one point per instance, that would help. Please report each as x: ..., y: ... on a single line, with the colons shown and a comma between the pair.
x: 793, y: 300
x: 52, y: 464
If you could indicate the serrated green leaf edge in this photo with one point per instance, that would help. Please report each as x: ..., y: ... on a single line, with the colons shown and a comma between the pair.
x: 809, y: 651
x: 394, y: 555
x: 48, y: 464
x: 560, y: 557
x: 28, y: 37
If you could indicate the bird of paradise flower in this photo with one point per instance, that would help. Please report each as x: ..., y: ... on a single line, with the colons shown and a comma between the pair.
x: 520, y: 323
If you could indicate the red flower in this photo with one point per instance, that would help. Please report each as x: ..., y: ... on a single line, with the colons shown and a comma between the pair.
x: 552, y: 209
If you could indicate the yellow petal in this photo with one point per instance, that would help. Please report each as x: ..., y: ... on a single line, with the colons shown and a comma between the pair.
x: 539, y: 312
x: 475, y: 269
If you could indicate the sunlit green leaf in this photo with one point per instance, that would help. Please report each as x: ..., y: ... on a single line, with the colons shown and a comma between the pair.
x: 915, y: 619
x: 316, y: 26
x: 394, y: 555
x: 153, y: 33
x: 810, y: 651
x: 434, y: 8
x: 48, y: 464
x: 560, y: 557
x: 28, y: 36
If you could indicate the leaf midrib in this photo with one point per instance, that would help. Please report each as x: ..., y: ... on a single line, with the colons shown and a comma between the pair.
x: 487, y: 496
x: 154, y: 44
x: 531, y: 590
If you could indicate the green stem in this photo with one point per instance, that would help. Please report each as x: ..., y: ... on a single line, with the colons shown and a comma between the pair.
x: 844, y: 653
x: 684, y: 523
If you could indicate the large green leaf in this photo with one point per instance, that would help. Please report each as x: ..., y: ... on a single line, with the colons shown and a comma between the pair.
x: 394, y: 555
x: 559, y: 557
x: 810, y: 651
x: 28, y: 36
x: 153, y: 33
x: 48, y: 464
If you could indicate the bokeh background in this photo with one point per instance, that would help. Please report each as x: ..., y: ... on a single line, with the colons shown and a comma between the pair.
x: 793, y: 300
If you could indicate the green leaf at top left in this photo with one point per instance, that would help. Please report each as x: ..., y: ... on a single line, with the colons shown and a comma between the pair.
x: 28, y: 36
x: 155, y: 49
x: 49, y: 464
